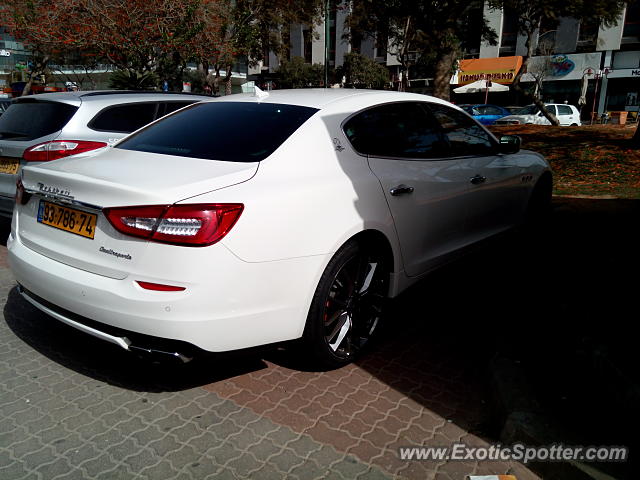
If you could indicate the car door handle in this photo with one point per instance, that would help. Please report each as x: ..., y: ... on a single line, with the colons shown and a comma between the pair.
x: 478, y: 179
x: 400, y: 190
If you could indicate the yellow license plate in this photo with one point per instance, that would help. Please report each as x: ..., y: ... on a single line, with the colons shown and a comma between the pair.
x: 67, y: 219
x: 9, y: 165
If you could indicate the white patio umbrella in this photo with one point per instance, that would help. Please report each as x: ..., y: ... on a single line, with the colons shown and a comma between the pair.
x: 583, y: 91
x: 481, y: 86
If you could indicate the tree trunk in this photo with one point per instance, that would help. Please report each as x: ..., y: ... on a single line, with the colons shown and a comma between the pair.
x: 403, y: 83
x: 442, y: 76
x: 227, y: 81
x: 39, y: 68
x: 404, y: 66
x: 518, y: 88
x: 216, y: 81
x: 636, y: 138
x: 27, y: 87
x: 203, y: 71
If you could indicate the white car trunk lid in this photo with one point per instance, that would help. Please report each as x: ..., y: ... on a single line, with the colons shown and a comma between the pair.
x: 115, y: 178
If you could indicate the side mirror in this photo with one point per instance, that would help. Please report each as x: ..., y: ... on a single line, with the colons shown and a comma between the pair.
x: 509, y: 144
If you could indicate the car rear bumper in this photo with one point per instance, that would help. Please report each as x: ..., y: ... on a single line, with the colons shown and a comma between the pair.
x: 6, y: 206
x: 241, y: 304
x: 142, y: 344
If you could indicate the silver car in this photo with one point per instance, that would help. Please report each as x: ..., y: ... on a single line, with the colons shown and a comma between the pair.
x: 40, y: 128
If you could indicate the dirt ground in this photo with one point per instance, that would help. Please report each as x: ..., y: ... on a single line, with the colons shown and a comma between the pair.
x: 596, y: 160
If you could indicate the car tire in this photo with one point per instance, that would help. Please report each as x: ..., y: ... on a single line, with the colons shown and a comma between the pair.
x: 348, y: 305
x: 574, y: 124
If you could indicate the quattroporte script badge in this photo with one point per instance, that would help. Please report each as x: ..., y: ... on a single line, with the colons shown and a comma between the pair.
x: 115, y: 254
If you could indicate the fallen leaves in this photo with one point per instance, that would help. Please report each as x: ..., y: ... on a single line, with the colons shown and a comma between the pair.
x: 587, y: 160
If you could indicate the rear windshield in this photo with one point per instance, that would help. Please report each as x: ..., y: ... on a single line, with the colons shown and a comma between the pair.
x: 228, y: 131
x: 27, y: 120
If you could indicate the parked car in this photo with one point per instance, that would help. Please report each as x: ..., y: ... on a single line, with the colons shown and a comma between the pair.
x: 254, y: 219
x: 4, y: 104
x: 486, y: 114
x: 531, y: 115
x: 44, y: 127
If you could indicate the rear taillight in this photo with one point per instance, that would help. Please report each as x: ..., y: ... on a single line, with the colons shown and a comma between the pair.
x: 45, y: 152
x: 195, y: 225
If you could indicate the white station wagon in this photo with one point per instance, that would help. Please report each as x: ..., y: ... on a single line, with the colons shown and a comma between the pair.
x: 567, y: 115
x: 254, y: 219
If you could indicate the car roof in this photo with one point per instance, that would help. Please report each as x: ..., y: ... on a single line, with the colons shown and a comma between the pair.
x: 533, y: 104
x: 112, y: 96
x: 479, y: 105
x: 317, y: 98
x: 320, y: 98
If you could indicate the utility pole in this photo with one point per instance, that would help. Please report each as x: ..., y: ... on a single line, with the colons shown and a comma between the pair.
x: 327, y: 31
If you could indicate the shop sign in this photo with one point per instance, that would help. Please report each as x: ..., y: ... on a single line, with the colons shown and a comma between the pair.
x: 562, y: 67
x: 624, y: 73
x: 500, y: 70
x: 500, y: 76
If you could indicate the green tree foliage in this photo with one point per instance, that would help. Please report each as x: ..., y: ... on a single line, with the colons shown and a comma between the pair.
x: 133, y: 35
x: 295, y: 73
x: 44, y: 27
x: 142, y: 36
x: 433, y: 28
x: 271, y: 21
x: 533, y: 13
x: 246, y: 29
x: 362, y: 72
x: 131, y: 80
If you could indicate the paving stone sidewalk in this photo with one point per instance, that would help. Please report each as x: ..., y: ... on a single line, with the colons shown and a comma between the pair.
x: 73, y: 407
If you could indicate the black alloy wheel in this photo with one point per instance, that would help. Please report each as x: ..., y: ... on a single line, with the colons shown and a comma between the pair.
x: 348, y: 305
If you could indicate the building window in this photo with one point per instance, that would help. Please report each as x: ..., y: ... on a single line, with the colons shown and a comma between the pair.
x: 509, y: 33
x: 588, y: 36
x: 307, y: 40
x: 547, y: 37
x: 631, y: 32
x: 333, y: 10
x: 472, y: 39
x: 382, y: 41
x: 356, y: 42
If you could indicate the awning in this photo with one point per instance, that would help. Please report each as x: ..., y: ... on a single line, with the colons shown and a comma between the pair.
x: 481, y: 86
x: 499, y: 70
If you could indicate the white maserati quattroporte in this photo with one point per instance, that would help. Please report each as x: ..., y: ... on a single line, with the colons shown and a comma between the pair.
x: 260, y: 218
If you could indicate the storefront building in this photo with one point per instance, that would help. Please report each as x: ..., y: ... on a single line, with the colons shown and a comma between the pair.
x: 585, y: 64
x: 14, y: 60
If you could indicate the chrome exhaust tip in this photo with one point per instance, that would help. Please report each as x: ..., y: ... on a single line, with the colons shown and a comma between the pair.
x: 121, y: 338
x: 160, y: 355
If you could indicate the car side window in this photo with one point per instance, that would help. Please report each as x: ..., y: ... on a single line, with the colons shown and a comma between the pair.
x: 402, y: 130
x: 564, y: 110
x: 462, y: 134
x: 166, y: 108
x: 491, y: 110
x: 552, y: 109
x: 124, y: 118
